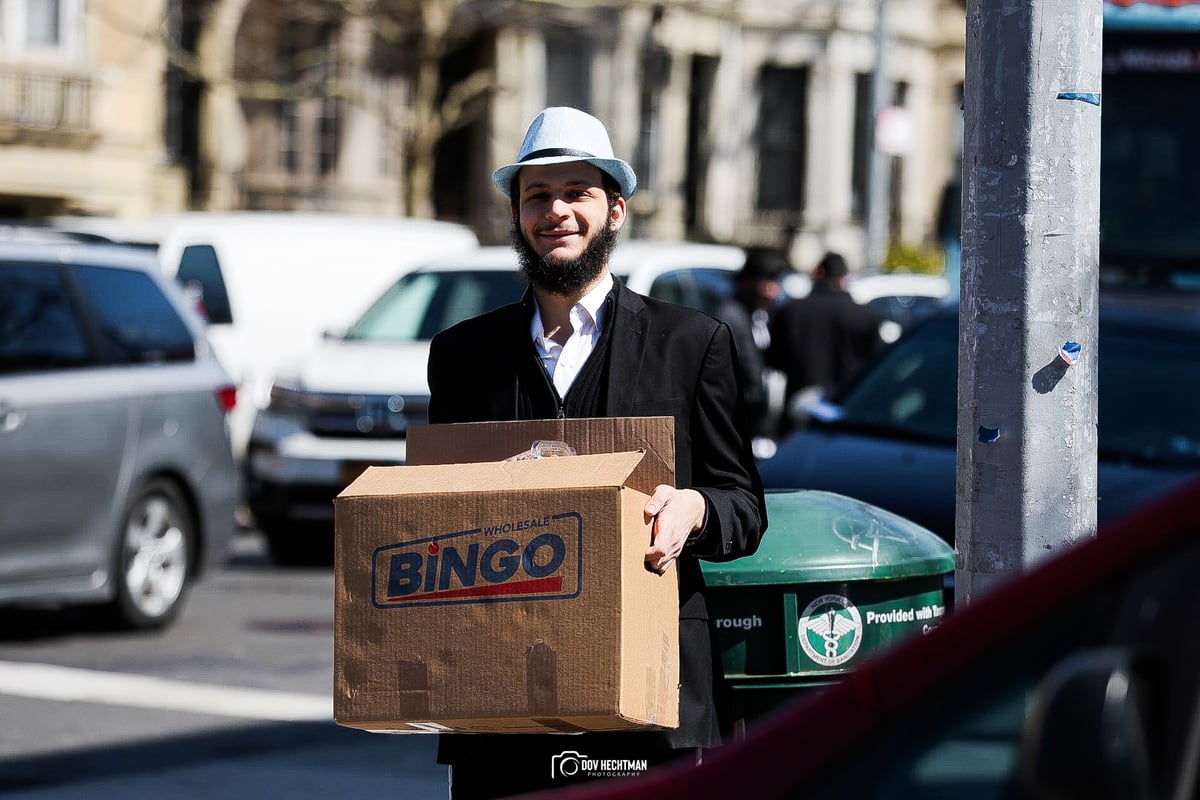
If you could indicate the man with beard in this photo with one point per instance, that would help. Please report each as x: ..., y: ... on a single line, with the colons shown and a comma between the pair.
x: 581, y: 344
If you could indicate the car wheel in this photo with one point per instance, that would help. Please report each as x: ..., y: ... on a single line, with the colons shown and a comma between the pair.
x: 154, y: 557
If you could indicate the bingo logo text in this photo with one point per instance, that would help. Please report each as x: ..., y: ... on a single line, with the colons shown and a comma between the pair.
x: 537, y: 558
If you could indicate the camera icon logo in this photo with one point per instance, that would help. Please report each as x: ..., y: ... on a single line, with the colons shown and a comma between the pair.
x: 566, y: 764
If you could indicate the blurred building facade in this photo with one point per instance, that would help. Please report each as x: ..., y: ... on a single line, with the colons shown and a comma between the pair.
x: 748, y: 121
x: 82, y: 109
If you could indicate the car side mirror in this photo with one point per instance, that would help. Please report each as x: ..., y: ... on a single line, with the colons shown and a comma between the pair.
x: 1086, y: 734
x: 333, y: 334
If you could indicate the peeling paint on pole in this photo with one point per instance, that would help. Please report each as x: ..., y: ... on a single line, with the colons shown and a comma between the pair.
x: 1031, y: 202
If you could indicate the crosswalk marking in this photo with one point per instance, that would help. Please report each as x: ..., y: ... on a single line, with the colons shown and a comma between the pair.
x: 71, y: 684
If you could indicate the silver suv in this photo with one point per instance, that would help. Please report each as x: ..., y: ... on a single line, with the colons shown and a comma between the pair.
x: 119, y: 486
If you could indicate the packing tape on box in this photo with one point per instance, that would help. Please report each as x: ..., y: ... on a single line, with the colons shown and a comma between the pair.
x: 558, y: 725
x: 412, y: 683
x: 541, y: 679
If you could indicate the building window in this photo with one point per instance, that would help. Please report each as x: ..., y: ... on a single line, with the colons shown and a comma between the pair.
x: 568, y: 69
x: 41, y: 27
x: 864, y: 151
x: 289, y: 138
x: 309, y: 127
x: 782, y: 139
x: 702, y: 87
x: 327, y: 135
x: 397, y: 95
x: 861, y: 167
x: 42, y: 23
x: 896, y: 165
x: 309, y: 135
x: 656, y: 68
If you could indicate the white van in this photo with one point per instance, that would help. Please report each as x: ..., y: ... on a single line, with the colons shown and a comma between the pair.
x: 272, y: 284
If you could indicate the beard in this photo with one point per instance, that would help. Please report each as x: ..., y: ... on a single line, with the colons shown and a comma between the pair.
x: 567, y: 278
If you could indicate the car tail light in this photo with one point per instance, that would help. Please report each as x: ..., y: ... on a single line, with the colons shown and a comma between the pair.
x: 194, y: 292
x: 226, y: 397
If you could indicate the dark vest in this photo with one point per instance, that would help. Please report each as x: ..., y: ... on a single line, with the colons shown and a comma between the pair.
x: 539, y: 399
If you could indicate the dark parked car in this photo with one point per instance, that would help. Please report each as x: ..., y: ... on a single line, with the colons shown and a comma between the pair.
x: 1079, y: 678
x: 888, y: 436
x: 118, y: 483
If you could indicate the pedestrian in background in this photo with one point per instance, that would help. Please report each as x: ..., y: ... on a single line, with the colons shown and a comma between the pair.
x: 819, y: 339
x: 757, y: 290
x: 581, y: 344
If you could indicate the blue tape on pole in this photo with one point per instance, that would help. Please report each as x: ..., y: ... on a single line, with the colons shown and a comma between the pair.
x: 1069, y: 352
x: 1083, y: 97
x: 988, y: 435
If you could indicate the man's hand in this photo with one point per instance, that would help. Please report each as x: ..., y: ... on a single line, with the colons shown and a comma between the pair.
x: 677, y: 513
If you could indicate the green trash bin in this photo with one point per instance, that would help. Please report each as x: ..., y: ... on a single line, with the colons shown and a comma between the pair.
x: 833, y: 581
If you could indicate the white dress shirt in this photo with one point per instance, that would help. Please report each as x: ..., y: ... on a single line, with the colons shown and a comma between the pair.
x: 563, y: 361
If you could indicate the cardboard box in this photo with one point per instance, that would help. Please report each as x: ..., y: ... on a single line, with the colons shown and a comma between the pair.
x: 485, y: 595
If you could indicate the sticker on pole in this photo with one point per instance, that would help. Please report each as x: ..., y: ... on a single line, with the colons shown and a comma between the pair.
x: 831, y: 630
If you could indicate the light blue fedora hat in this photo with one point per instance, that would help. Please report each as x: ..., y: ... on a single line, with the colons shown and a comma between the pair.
x: 560, y: 134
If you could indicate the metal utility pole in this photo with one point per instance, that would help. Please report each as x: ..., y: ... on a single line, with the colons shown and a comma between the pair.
x: 1028, y: 355
x: 879, y: 172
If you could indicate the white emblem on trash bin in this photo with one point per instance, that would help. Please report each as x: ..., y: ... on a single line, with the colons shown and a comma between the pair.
x: 831, y: 630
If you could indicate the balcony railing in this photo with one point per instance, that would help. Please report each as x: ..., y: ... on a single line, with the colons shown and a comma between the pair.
x: 34, y: 102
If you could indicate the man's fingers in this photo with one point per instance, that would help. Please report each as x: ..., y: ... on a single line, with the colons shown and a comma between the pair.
x: 659, y: 500
x: 659, y: 563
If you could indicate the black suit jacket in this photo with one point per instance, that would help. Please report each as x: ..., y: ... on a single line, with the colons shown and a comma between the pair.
x: 820, y: 339
x: 665, y: 360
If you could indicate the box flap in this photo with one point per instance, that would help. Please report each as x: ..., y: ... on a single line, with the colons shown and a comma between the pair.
x: 565, y: 472
x: 468, y: 442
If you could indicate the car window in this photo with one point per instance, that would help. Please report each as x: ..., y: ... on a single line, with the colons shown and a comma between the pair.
x: 975, y: 728
x: 702, y: 288
x: 423, y: 303
x: 38, y: 328
x: 913, y: 388
x: 200, y: 267
x: 136, y: 322
x: 1145, y: 400
x: 905, y: 309
x: 964, y: 742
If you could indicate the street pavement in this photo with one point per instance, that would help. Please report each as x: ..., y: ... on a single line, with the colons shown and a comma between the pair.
x: 279, y: 760
x: 232, y: 702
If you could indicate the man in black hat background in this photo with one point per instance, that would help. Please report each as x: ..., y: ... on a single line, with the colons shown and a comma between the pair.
x: 581, y: 344
x: 757, y: 289
x: 819, y: 339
